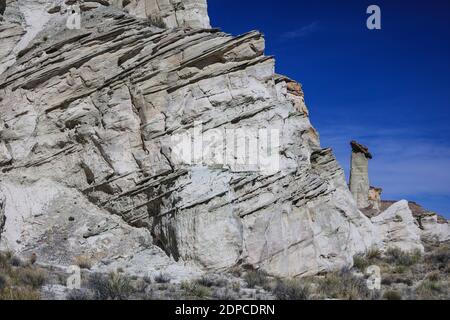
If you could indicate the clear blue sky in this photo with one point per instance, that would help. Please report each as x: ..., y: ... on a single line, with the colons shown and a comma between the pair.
x: 388, y: 89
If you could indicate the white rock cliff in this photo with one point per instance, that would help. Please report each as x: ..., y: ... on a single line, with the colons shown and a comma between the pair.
x: 87, y: 125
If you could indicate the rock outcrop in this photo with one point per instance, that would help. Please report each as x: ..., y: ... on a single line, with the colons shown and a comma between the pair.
x: 434, y: 228
x: 398, y: 228
x: 95, y: 111
x: 359, y: 174
x: 172, y: 13
x: 93, y: 159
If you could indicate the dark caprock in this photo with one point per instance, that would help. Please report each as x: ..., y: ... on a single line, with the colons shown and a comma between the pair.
x: 2, y: 6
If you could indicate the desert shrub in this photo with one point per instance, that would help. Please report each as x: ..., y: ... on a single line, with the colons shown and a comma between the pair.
x: 402, y: 258
x: 119, y: 287
x: 20, y: 293
x: 147, y: 279
x: 440, y: 256
x: 15, y: 261
x: 373, y: 253
x: 83, y: 262
x: 3, y: 282
x: 401, y: 269
x: 79, y: 294
x: 392, y: 295
x: 162, y: 278
x: 360, y: 262
x: 157, y: 21
x: 292, y: 290
x: 194, y: 289
x: 224, y: 294
x: 344, y: 285
x: 5, y: 260
x: 428, y: 290
x: 256, y: 278
x: 205, y: 281
x: 35, y: 278
x: 113, y: 287
x: 236, y: 286
x: 433, y: 276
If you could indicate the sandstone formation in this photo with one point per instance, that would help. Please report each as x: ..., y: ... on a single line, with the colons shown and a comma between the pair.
x: 173, y: 13
x: 434, y: 228
x: 91, y: 165
x: 95, y: 110
x: 398, y: 228
x: 359, y: 174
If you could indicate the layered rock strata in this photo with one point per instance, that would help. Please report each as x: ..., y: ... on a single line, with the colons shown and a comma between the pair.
x: 91, y: 160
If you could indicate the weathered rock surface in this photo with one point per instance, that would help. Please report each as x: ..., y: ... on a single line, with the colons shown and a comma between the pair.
x: 173, y: 13
x: 398, y: 228
x: 90, y: 165
x: 359, y: 174
x: 434, y: 229
x: 95, y: 110
x: 59, y: 225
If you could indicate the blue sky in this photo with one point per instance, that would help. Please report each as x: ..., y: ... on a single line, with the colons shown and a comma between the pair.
x: 388, y: 89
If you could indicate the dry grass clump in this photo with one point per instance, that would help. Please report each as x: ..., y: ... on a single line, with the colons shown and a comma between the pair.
x: 111, y: 287
x: 431, y: 290
x: 255, y: 278
x: 83, y: 262
x: 18, y: 280
x: 343, y: 285
x: 162, y: 278
x: 195, y: 290
x: 402, y: 258
x: 362, y: 261
x: 292, y: 290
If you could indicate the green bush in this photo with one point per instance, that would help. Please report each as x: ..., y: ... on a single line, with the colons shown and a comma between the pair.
x: 360, y: 262
x: 112, y: 287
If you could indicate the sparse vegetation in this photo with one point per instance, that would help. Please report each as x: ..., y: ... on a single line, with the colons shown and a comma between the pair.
x: 292, y: 290
x: 112, y: 287
x: 344, y: 285
x: 430, y: 290
x: 157, y: 21
x: 255, y: 278
x: 162, y: 278
x: 19, y: 281
x: 402, y: 258
x: 404, y: 275
x: 195, y: 290
x: 83, y: 262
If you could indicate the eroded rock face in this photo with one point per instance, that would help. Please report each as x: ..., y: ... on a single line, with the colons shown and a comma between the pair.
x: 434, y: 229
x: 90, y: 165
x: 359, y: 174
x: 173, y: 13
x: 398, y: 228
x: 95, y: 111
